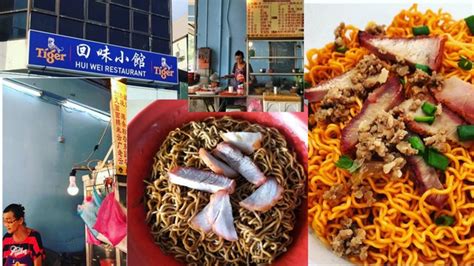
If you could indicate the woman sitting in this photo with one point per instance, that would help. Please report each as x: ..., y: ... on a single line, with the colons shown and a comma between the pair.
x: 21, y: 245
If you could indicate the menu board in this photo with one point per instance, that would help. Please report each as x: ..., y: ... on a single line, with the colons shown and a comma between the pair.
x: 119, y: 125
x: 275, y: 19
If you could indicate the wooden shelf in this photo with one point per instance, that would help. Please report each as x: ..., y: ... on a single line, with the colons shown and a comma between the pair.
x: 294, y: 60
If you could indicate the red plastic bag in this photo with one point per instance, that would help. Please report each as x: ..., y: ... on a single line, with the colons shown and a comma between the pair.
x: 111, y: 220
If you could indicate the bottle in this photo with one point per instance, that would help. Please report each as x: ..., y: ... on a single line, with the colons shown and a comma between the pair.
x: 240, y: 89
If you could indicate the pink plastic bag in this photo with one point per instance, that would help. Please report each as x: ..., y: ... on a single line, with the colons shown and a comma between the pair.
x: 255, y: 105
x: 111, y: 220
x: 90, y: 238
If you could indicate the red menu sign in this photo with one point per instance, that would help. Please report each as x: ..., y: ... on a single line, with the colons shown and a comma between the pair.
x: 275, y: 19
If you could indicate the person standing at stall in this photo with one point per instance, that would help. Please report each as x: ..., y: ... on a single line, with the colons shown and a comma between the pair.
x: 239, y: 71
x: 22, y: 246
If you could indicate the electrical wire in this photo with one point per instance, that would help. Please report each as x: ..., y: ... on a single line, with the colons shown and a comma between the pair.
x: 91, y: 161
x: 96, y: 147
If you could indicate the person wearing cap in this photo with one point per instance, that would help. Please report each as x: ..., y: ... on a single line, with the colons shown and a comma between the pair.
x: 21, y: 245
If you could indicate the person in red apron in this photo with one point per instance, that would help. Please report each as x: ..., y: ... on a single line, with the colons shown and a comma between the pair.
x: 22, y: 246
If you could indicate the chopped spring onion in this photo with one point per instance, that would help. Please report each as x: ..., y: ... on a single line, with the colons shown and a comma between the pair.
x: 341, y: 49
x: 436, y: 159
x: 402, y: 81
x: 445, y: 220
x: 466, y: 132
x: 354, y: 167
x: 417, y: 144
x: 344, y: 162
x: 465, y: 64
x: 428, y: 108
x: 424, y: 68
x: 425, y: 119
x: 422, y: 30
x: 307, y: 85
x: 470, y: 23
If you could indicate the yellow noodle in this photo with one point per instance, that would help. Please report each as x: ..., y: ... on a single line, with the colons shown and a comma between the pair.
x: 262, y: 236
x: 399, y: 226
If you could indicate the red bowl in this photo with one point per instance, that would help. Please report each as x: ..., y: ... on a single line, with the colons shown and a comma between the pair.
x: 148, y: 130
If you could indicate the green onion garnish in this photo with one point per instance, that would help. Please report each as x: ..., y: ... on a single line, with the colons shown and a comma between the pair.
x: 466, y: 132
x: 307, y: 85
x: 341, y: 49
x: 428, y: 108
x: 422, y: 30
x: 465, y: 64
x: 417, y: 144
x: 354, y: 167
x: 402, y: 81
x: 344, y: 162
x: 470, y: 23
x: 425, y: 119
x: 425, y: 68
x: 436, y: 159
x: 445, y: 220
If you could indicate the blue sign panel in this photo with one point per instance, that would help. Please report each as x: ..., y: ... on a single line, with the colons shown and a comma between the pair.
x: 78, y: 55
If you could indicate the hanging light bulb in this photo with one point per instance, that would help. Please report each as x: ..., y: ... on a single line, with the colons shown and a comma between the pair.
x: 72, y: 189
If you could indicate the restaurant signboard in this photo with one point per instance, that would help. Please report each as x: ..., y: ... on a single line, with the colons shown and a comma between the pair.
x: 68, y: 54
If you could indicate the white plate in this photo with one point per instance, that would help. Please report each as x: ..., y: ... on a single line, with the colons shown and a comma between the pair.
x: 320, y: 21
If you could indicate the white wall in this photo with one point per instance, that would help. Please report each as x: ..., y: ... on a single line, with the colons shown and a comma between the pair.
x: 13, y: 54
x: 140, y: 97
x: 36, y: 166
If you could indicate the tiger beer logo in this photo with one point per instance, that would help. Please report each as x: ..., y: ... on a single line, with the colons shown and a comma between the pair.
x: 164, y: 70
x: 52, y: 53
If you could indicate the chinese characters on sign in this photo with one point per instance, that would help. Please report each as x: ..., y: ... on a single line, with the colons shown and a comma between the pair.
x: 71, y: 54
x: 275, y: 18
x: 118, y: 107
x: 104, y: 54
